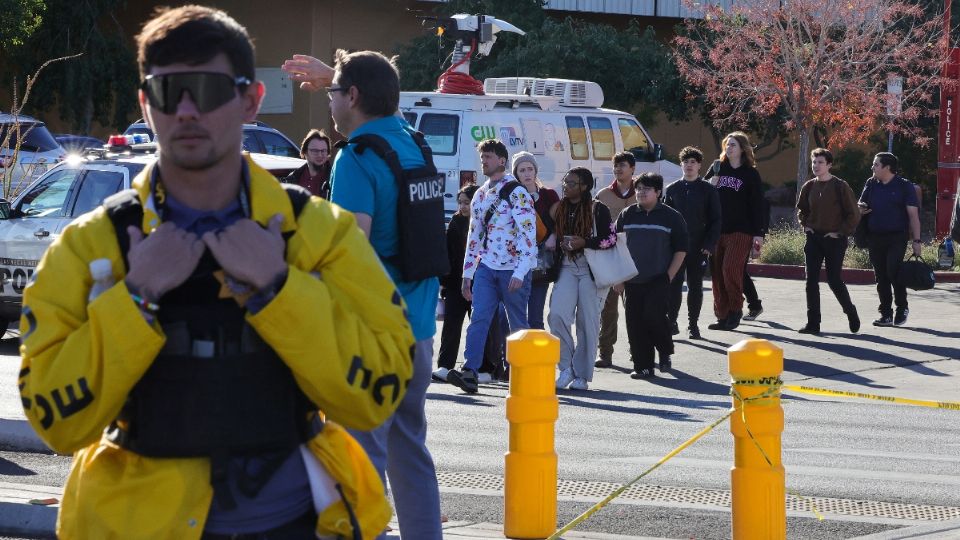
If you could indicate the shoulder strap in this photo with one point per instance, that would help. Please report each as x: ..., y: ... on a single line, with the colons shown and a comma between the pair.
x: 382, y: 149
x: 299, y: 197
x: 508, y: 188
x: 124, y: 209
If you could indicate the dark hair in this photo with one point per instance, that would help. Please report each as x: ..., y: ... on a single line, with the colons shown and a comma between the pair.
x: 376, y: 78
x: 582, y: 212
x: 888, y: 160
x: 625, y: 156
x: 691, y: 152
x: 649, y: 179
x: 584, y: 175
x: 194, y: 35
x: 468, y: 190
x: 311, y: 135
x: 493, y: 145
x: 821, y: 152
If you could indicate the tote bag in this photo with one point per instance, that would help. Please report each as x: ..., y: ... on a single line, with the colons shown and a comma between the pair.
x: 613, y: 265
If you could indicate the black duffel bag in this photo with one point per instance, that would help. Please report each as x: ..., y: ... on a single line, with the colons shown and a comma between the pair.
x: 916, y: 274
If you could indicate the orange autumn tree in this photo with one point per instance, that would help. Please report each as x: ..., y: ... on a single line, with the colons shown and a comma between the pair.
x: 822, y: 64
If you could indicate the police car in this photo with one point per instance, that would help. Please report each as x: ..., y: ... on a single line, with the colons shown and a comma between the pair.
x: 38, y: 215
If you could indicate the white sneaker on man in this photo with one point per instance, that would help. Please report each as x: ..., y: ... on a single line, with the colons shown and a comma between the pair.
x: 484, y: 378
x: 441, y: 374
x: 579, y: 384
x: 565, y: 378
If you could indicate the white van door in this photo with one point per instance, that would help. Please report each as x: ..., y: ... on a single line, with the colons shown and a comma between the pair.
x: 441, y: 129
x: 533, y: 135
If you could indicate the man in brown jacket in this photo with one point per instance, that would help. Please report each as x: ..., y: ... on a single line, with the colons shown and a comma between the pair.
x: 617, y: 196
x: 827, y: 210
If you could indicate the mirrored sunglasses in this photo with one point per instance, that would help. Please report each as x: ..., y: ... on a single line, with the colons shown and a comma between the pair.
x: 209, y: 91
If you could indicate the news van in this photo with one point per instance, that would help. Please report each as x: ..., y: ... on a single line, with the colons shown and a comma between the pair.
x: 560, y: 121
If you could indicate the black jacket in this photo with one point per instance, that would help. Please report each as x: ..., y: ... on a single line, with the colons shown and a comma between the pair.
x: 456, y: 251
x: 294, y: 178
x: 699, y: 205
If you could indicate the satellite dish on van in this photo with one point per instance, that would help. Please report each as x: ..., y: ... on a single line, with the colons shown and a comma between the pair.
x: 474, y: 34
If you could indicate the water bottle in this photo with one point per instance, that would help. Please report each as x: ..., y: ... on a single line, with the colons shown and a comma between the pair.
x: 102, y: 273
x: 945, y: 254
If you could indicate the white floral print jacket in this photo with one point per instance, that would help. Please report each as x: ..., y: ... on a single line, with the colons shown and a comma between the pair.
x: 508, y: 240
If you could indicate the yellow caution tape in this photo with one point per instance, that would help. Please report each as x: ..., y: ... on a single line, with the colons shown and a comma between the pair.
x: 593, y: 509
x: 775, y: 385
x: 950, y: 405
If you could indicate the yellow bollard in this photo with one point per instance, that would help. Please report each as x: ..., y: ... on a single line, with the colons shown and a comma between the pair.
x: 758, y: 489
x: 530, y: 481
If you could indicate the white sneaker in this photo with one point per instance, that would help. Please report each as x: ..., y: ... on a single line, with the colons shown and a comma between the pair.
x: 564, y: 379
x: 441, y: 374
x: 484, y: 378
x: 579, y: 384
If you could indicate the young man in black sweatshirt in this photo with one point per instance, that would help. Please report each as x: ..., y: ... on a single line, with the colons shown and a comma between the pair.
x: 698, y: 203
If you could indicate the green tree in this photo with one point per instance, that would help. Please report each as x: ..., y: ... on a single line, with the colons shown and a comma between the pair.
x: 18, y: 19
x: 99, y: 86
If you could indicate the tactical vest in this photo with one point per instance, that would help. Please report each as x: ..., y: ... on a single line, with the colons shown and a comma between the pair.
x: 216, y: 389
x: 421, y: 231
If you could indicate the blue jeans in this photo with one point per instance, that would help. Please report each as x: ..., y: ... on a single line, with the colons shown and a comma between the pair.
x: 489, y: 290
x: 538, y: 298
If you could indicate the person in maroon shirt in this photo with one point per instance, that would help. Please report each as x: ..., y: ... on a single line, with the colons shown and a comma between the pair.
x: 315, y: 173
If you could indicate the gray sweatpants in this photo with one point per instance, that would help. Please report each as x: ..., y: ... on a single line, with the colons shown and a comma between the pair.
x: 576, y: 298
x: 399, y: 447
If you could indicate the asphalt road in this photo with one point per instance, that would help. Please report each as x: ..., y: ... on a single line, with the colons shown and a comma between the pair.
x: 842, y: 449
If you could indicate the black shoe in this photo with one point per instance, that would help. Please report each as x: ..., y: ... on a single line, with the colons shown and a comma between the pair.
x: 810, y: 329
x: 753, y: 314
x: 901, y: 318
x: 733, y: 320
x: 466, y: 381
x: 854, y: 319
x: 642, y: 374
x: 603, y: 362
x: 676, y: 329
x: 665, y: 364
x: 693, y: 332
x: 884, y: 320
x: 721, y: 324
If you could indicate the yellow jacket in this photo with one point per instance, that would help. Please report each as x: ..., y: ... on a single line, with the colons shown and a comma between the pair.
x: 80, y: 360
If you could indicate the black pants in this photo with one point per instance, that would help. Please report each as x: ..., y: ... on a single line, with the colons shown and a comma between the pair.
x: 823, y: 250
x: 456, y: 308
x: 647, y: 312
x: 691, y: 271
x: 886, y: 254
x: 303, y: 527
x: 750, y: 292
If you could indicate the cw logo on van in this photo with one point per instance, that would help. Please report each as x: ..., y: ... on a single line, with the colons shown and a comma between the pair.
x: 480, y: 133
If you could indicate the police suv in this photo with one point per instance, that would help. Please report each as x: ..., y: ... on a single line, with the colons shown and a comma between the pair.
x: 560, y: 121
x: 29, y: 224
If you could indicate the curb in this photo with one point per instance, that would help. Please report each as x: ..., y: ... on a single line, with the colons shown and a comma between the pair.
x: 18, y: 516
x: 851, y: 276
x: 934, y: 531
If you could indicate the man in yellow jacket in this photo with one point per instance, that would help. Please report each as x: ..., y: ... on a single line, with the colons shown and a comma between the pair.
x: 201, y: 384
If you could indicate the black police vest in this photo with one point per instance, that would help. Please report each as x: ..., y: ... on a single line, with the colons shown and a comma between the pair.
x: 216, y: 389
